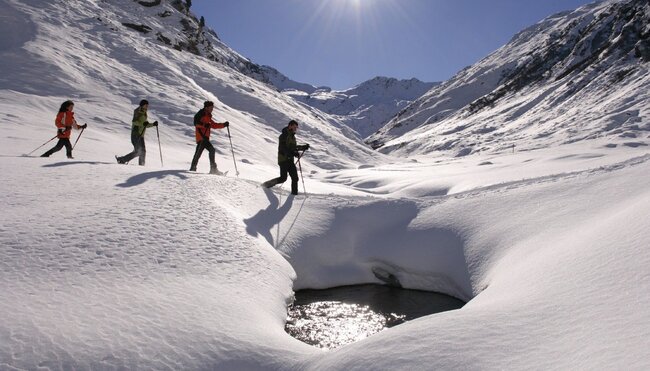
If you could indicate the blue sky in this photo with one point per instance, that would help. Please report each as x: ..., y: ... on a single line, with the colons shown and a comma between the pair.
x: 341, y: 43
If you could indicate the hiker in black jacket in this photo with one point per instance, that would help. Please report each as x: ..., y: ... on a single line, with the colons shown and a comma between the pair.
x: 287, y: 150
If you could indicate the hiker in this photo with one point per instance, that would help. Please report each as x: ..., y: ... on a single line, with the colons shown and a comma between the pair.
x: 287, y: 150
x: 139, y: 125
x: 203, y: 123
x: 64, y: 123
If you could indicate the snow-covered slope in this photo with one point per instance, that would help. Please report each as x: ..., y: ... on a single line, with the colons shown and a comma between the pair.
x: 574, y: 76
x: 107, y: 266
x: 368, y: 106
x: 80, y: 50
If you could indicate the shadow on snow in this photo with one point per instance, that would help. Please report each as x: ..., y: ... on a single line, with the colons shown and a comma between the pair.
x: 265, y: 219
x: 139, y: 179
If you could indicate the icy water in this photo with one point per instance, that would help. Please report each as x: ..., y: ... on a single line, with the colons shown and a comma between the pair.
x: 335, y: 317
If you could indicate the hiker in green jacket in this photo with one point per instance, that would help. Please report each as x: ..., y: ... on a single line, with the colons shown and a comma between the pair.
x: 138, y: 127
x: 287, y: 150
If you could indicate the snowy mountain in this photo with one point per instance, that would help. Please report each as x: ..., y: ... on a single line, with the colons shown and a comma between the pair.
x: 574, y: 76
x: 106, y: 266
x: 368, y: 106
x: 94, y: 59
x: 188, y: 33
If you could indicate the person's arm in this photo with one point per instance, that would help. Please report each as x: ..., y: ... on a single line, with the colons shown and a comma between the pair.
x: 219, y: 125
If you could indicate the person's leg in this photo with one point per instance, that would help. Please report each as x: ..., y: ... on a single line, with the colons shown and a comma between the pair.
x: 293, y: 172
x: 284, y: 168
x: 142, y: 151
x: 211, y: 151
x: 213, y: 162
x: 68, y: 147
x: 281, y: 179
x: 128, y: 157
x: 54, y: 149
x: 135, y: 139
x: 197, y: 155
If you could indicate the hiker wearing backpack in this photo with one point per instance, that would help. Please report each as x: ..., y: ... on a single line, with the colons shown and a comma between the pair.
x: 203, y: 123
x: 64, y: 123
x: 287, y: 150
x: 139, y: 125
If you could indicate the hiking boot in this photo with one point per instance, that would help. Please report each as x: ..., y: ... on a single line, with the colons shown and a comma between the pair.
x: 214, y: 170
x: 118, y: 160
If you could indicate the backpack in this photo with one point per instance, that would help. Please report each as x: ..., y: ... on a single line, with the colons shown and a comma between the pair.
x: 197, y: 117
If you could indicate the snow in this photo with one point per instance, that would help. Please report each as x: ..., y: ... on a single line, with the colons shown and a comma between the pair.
x: 366, y: 107
x: 566, y: 79
x: 107, y: 266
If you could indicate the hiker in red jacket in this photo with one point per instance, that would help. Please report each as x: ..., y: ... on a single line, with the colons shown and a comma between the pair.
x: 203, y: 123
x: 64, y: 123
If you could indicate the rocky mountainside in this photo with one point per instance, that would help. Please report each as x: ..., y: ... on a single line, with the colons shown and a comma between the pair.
x: 190, y: 33
x: 364, y: 108
x: 573, y: 76
x: 368, y: 106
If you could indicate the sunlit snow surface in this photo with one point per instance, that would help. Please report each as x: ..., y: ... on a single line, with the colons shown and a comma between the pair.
x: 107, y: 266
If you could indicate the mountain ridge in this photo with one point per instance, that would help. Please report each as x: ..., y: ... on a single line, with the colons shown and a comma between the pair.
x: 367, y: 106
x: 531, y: 91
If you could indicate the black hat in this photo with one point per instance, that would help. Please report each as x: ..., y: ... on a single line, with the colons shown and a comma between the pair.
x: 143, y: 102
x: 293, y: 122
x: 207, y: 103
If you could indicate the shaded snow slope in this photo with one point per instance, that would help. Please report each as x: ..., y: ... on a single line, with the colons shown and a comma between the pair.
x: 574, y: 76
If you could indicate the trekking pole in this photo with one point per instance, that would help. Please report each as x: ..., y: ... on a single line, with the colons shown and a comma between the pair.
x: 159, y: 146
x: 75, y: 142
x: 233, y: 151
x: 301, y: 177
x: 54, y: 137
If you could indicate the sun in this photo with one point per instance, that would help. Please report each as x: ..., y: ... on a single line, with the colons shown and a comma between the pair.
x: 356, y: 4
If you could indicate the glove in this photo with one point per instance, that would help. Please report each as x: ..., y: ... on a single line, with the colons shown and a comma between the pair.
x: 155, y: 123
x: 226, y: 124
x: 84, y: 126
x: 60, y: 131
x: 306, y: 146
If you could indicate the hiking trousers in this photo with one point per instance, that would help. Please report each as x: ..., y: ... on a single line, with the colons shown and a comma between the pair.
x: 287, y: 167
x: 139, y: 149
x: 60, y: 144
x: 200, y: 146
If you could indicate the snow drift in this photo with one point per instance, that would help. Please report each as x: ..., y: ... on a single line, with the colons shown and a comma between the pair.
x: 106, y: 266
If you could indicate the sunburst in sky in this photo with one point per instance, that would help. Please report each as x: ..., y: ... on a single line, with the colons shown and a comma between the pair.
x: 341, y: 43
